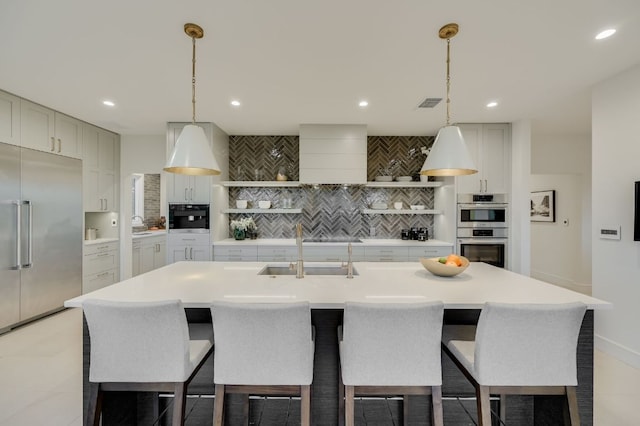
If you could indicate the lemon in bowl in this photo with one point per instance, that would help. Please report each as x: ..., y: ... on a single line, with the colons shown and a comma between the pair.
x: 452, y: 265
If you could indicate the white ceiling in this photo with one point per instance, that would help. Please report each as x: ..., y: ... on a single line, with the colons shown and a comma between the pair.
x: 304, y: 61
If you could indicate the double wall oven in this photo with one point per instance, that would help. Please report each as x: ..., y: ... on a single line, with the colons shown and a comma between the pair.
x: 483, y: 231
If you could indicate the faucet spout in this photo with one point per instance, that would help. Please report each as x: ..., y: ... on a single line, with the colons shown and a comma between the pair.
x: 300, y: 262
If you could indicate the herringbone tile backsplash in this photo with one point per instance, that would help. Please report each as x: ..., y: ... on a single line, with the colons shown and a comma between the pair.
x: 329, y: 210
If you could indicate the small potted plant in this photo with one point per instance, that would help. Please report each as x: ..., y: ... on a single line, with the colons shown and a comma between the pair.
x: 243, y: 227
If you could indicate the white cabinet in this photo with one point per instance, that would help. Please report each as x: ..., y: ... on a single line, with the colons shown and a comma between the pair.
x: 100, y: 266
x: 190, y: 247
x: 100, y: 169
x: 9, y: 118
x: 184, y: 188
x: 47, y: 130
x: 416, y: 253
x: 386, y: 254
x: 331, y: 253
x: 148, y: 253
x: 235, y: 253
x: 490, y: 148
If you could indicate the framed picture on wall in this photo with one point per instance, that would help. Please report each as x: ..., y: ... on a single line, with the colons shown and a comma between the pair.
x: 543, y: 206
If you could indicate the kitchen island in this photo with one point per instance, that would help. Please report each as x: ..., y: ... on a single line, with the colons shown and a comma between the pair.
x: 197, y: 284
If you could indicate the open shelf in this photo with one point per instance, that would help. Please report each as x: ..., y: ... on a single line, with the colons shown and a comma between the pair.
x: 403, y: 211
x: 261, y: 183
x: 264, y: 211
x: 430, y: 184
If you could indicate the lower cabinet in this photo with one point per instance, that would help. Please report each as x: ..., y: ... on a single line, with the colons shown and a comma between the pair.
x: 338, y: 253
x: 188, y: 247
x: 233, y: 253
x: 416, y: 253
x: 148, y: 253
x: 100, y: 266
x: 386, y: 254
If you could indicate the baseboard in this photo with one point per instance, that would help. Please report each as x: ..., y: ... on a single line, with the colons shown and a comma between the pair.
x: 562, y: 282
x: 618, y: 351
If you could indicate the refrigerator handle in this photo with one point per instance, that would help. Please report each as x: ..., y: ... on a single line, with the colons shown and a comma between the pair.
x: 18, y: 264
x: 29, y: 237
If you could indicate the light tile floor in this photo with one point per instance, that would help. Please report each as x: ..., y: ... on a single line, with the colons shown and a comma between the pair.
x: 41, y: 377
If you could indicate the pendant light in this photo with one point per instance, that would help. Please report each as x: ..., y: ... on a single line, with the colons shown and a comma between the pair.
x: 449, y: 155
x: 192, y: 154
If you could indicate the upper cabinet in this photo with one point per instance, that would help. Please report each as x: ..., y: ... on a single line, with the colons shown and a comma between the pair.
x: 47, y: 130
x: 101, y: 164
x: 185, y: 188
x: 490, y: 148
x: 9, y: 118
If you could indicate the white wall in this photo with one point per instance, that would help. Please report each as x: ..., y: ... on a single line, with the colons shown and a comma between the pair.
x: 563, y: 163
x: 615, y: 167
x: 519, y: 243
x: 138, y: 154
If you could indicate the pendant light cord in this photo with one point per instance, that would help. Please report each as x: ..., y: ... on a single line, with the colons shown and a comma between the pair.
x: 193, y: 83
x: 448, y: 80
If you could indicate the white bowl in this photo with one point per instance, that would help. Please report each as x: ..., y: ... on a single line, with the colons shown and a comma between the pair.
x: 379, y: 206
x: 241, y: 204
x: 384, y: 178
x: 397, y: 205
x: 264, y: 204
x: 433, y: 265
x: 404, y: 179
x: 417, y: 207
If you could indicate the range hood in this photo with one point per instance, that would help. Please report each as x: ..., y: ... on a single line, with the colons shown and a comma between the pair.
x: 333, y: 154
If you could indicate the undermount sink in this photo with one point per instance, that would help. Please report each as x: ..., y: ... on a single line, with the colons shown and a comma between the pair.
x: 308, y: 270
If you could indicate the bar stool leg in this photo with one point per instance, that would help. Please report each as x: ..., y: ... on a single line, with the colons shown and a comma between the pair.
x: 305, y: 405
x: 94, y: 408
x: 218, y: 408
x: 436, y: 406
x: 179, y: 401
x: 484, y: 406
x: 405, y: 410
x: 572, y: 400
x: 348, y: 406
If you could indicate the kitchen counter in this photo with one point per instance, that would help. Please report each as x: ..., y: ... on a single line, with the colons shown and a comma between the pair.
x: 149, y: 233
x: 197, y: 284
x: 99, y: 241
x: 365, y: 242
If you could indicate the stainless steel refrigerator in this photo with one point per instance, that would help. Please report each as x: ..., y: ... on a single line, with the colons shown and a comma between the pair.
x: 40, y: 233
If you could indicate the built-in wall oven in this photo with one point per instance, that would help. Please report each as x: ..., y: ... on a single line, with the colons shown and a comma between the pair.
x: 483, y: 232
x: 192, y: 218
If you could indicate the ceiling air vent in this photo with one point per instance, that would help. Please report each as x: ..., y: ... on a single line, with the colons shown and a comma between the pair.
x: 430, y: 102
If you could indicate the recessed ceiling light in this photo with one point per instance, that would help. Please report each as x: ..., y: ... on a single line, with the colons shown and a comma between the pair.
x: 605, y: 34
x: 492, y: 104
x: 108, y: 103
x: 363, y: 104
x: 235, y: 103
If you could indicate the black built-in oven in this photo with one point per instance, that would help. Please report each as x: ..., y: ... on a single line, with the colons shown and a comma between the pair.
x: 189, y: 218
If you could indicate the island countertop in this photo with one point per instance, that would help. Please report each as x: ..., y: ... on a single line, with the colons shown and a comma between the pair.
x: 197, y: 284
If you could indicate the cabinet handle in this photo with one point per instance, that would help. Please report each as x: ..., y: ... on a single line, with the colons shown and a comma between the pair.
x: 191, y: 196
x: 185, y: 194
x: 185, y: 253
x: 59, y: 145
x: 485, y: 185
x: 191, y: 253
x: 480, y: 184
x: 104, y: 274
x: 106, y: 204
x: 53, y: 144
x: 102, y: 255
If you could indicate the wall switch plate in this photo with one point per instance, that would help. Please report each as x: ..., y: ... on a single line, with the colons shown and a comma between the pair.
x: 114, y: 222
x: 610, y: 232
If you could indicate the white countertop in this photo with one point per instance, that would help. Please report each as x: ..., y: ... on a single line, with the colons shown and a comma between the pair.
x: 197, y: 284
x: 365, y: 242
x: 149, y: 233
x: 99, y: 241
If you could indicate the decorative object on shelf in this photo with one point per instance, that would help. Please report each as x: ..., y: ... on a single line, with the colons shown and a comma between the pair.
x: 192, y: 154
x: 244, y: 227
x: 449, y: 154
x: 543, y: 206
x: 379, y: 206
x: 404, y: 178
x: 417, y: 207
x: 264, y: 204
x: 384, y: 178
x: 242, y: 204
x: 397, y: 205
x: 282, y: 175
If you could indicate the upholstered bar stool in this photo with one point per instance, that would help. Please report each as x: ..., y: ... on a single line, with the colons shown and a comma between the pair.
x: 141, y: 347
x: 523, y: 349
x: 262, y: 349
x: 391, y: 349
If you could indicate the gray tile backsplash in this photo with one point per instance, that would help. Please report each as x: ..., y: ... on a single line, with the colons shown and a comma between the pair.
x: 329, y: 210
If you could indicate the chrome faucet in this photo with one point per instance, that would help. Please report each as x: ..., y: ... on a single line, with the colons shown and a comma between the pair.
x: 300, y: 262
x: 350, y: 262
x: 133, y: 218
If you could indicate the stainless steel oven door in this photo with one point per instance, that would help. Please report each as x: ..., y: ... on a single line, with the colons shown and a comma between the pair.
x: 483, y: 215
x: 488, y: 250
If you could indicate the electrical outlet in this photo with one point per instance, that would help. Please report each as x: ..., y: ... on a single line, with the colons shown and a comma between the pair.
x: 114, y: 222
x: 372, y: 231
x: 565, y: 222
